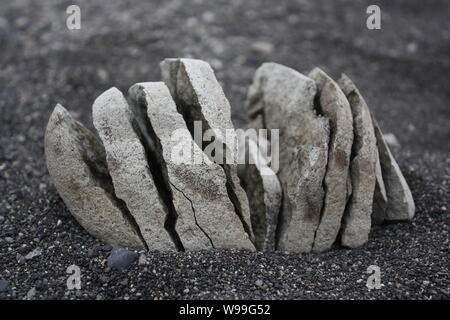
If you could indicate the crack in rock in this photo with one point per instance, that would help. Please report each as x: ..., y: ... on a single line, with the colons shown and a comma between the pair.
x: 400, y: 203
x: 286, y: 98
x: 199, y: 97
x: 208, y: 218
x: 357, y: 218
x: 129, y: 168
x: 153, y: 151
x: 76, y: 162
x: 264, y: 193
x: 334, y: 106
x: 149, y: 183
x: 195, y: 217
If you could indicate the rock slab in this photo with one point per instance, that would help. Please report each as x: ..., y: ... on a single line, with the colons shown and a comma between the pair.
x: 357, y: 220
x: 77, y: 164
x: 264, y: 193
x: 334, y: 106
x: 129, y: 167
x: 400, y: 203
x: 206, y: 216
x: 285, y: 99
x: 199, y: 97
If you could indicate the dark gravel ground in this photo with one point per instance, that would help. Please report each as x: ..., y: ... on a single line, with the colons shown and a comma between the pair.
x: 401, y: 69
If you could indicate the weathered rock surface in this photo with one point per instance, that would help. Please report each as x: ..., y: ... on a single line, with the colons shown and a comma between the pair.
x: 334, y: 105
x: 206, y: 216
x: 77, y: 164
x: 285, y: 98
x: 199, y: 97
x: 264, y: 193
x: 400, y: 203
x: 163, y: 175
x: 129, y: 168
x: 357, y: 219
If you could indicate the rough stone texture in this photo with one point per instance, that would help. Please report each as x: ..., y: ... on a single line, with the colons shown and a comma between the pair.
x: 76, y: 162
x: 129, y: 168
x: 199, y: 96
x: 357, y: 218
x: 264, y: 194
x: 285, y: 98
x: 400, y: 203
x: 334, y: 105
x: 206, y: 216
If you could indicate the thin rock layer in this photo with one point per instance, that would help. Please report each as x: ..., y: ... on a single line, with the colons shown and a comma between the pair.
x: 76, y: 162
x: 333, y: 104
x: 129, y: 168
x: 264, y: 193
x: 285, y: 99
x: 158, y: 183
x: 206, y: 216
x: 357, y: 219
x: 400, y: 203
x: 199, y: 97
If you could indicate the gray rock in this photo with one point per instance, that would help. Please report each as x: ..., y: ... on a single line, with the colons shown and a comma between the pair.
x: 357, y: 219
x: 4, y: 285
x: 264, y: 193
x: 20, y: 258
x: 121, y: 258
x: 31, y: 293
x: 34, y: 253
x: 129, y: 167
x: 400, y: 203
x: 380, y: 195
x: 285, y: 98
x: 199, y: 96
x: 76, y: 162
x: 206, y: 216
x: 142, y: 261
x: 334, y: 106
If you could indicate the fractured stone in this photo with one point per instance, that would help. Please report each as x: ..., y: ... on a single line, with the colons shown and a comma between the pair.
x: 285, y: 98
x: 199, y: 97
x: 206, y: 216
x: 334, y: 105
x: 357, y: 219
x: 129, y: 167
x: 264, y: 193
x: 400, y: 203
x: 164, y: 173
x: 76, y: 162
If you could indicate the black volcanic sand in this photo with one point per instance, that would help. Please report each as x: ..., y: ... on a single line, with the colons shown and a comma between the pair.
x: 402, y: 70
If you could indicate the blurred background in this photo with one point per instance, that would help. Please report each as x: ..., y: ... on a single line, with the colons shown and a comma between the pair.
x: 402, y: 69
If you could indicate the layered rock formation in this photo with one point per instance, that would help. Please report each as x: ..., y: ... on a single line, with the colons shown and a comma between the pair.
x: 336, y: 171
x: 163, y: 175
